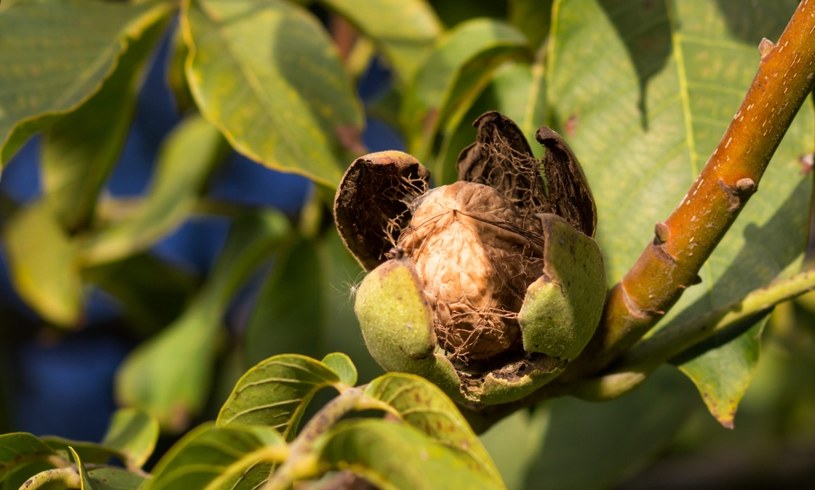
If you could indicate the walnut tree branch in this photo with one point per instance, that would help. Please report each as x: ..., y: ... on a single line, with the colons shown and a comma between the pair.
x: 683, y: 242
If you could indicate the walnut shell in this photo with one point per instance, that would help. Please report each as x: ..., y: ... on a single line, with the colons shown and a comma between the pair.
x: 475, y: 254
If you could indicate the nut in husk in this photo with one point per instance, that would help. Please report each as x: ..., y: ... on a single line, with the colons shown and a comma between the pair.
x: 488, y: 286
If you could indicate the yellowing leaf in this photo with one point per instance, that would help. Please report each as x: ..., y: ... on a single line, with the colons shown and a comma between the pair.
x: 43, y: 265
x: 55, y: 55
x: 268, y: 76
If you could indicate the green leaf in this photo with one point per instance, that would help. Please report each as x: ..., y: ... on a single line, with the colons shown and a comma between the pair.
x: 185, y: 161
x: 403, y: 30
x: 80, y: 149
x: 533, y: 18
x: 643, y: 111
x: 276, y: 392
x: 723, y: 370
x: 43, y: 265
x: 517, y: 90
x: 395, y: 456
x: 343, y: 366
x: 289, y: 313
x: 90, y: 452
x: 114, y: 479
x: 235, y: 457
x: 55, y: 56
x: 177, y: 76
x: 133, y: 433
x: 422, y: 405
x: 84, y: 484
x: 16, y: 477
x: 154, y: 293
x: 454, y: 73
x: 159, y: 376
x: 513, y: 443
x: 266, y: 73
x: 19, y: 448
x: 591, y: 445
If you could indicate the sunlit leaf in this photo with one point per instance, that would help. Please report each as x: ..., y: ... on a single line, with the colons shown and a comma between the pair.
x: 722, y: 372
x: 84, y: 483
x: 266, y: 73
x: 55, y: 55
x: 644, y: 92
x: 342, y: 365
x: 517, y: 90
x: 395, y: 456
x: 403, y: 30
x: 133, y: 433
x: 80, y: 149
x: 276, y: 392
x: 425, y: 407
x: 43, y: 264
x: 452, y: 76
x: 170, y: 374
x: 236, y: 457
x: 186, y: 158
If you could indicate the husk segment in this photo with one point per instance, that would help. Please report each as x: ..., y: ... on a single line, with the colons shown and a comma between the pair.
x: 488, y: 286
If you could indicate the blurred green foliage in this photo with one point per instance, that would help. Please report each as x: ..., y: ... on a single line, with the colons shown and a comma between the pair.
x: 641, y: 89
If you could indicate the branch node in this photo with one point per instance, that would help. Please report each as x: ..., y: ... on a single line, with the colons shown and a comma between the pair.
x: 662, y: 254
x: 634, y: 309
x: 746, y: 185
x: 697, y: 279
x: 661, y: 233
x: 738, y: 193
x: 765, y: 47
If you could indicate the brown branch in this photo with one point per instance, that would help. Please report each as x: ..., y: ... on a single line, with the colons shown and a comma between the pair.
x: 686, y: 239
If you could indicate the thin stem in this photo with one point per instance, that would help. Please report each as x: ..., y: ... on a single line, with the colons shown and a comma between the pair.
x: 300, y: 462
x: 686, y: 239
x: 668, y: 343
x: 67, y: 476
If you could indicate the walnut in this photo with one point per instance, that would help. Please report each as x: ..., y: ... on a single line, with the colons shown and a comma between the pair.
x: 489, y: 285
x: 475, y: 255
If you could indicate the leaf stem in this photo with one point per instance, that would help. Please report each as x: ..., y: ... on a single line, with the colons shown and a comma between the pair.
x: 669, y: 342
x: 683, y: 242
x: 301, y: 461
x: 67, y: 476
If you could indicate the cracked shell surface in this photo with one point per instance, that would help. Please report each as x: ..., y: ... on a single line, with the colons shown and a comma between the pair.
x: 475, y: 254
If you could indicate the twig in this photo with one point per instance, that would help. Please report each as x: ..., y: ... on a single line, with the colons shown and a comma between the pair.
x: 668, y: 343
x: 686, y: 239
x: 786, y: 75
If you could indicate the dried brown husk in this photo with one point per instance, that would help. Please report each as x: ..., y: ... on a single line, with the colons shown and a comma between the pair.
x: 373, y: 202
x: 476, y: 244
